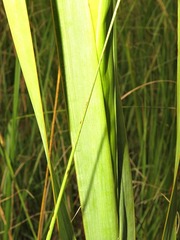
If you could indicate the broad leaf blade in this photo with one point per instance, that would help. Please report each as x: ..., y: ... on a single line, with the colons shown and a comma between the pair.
x: 93, y: 155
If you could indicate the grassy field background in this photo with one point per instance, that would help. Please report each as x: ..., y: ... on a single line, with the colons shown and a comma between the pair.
x: 147, y: 60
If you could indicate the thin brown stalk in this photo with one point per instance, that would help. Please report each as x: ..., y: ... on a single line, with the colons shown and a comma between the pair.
x: 45, y: 190
x: 144, y: 85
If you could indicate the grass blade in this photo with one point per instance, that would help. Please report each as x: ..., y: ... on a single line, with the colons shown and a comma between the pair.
x: 169, y: 231
x: 90, y: 181
x: 19, y: 24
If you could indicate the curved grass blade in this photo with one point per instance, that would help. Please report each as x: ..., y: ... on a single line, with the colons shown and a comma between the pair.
x: 19, y: 25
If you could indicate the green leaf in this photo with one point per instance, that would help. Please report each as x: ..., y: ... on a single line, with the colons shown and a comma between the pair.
x: 92, y: 111
x: 19, y: 25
